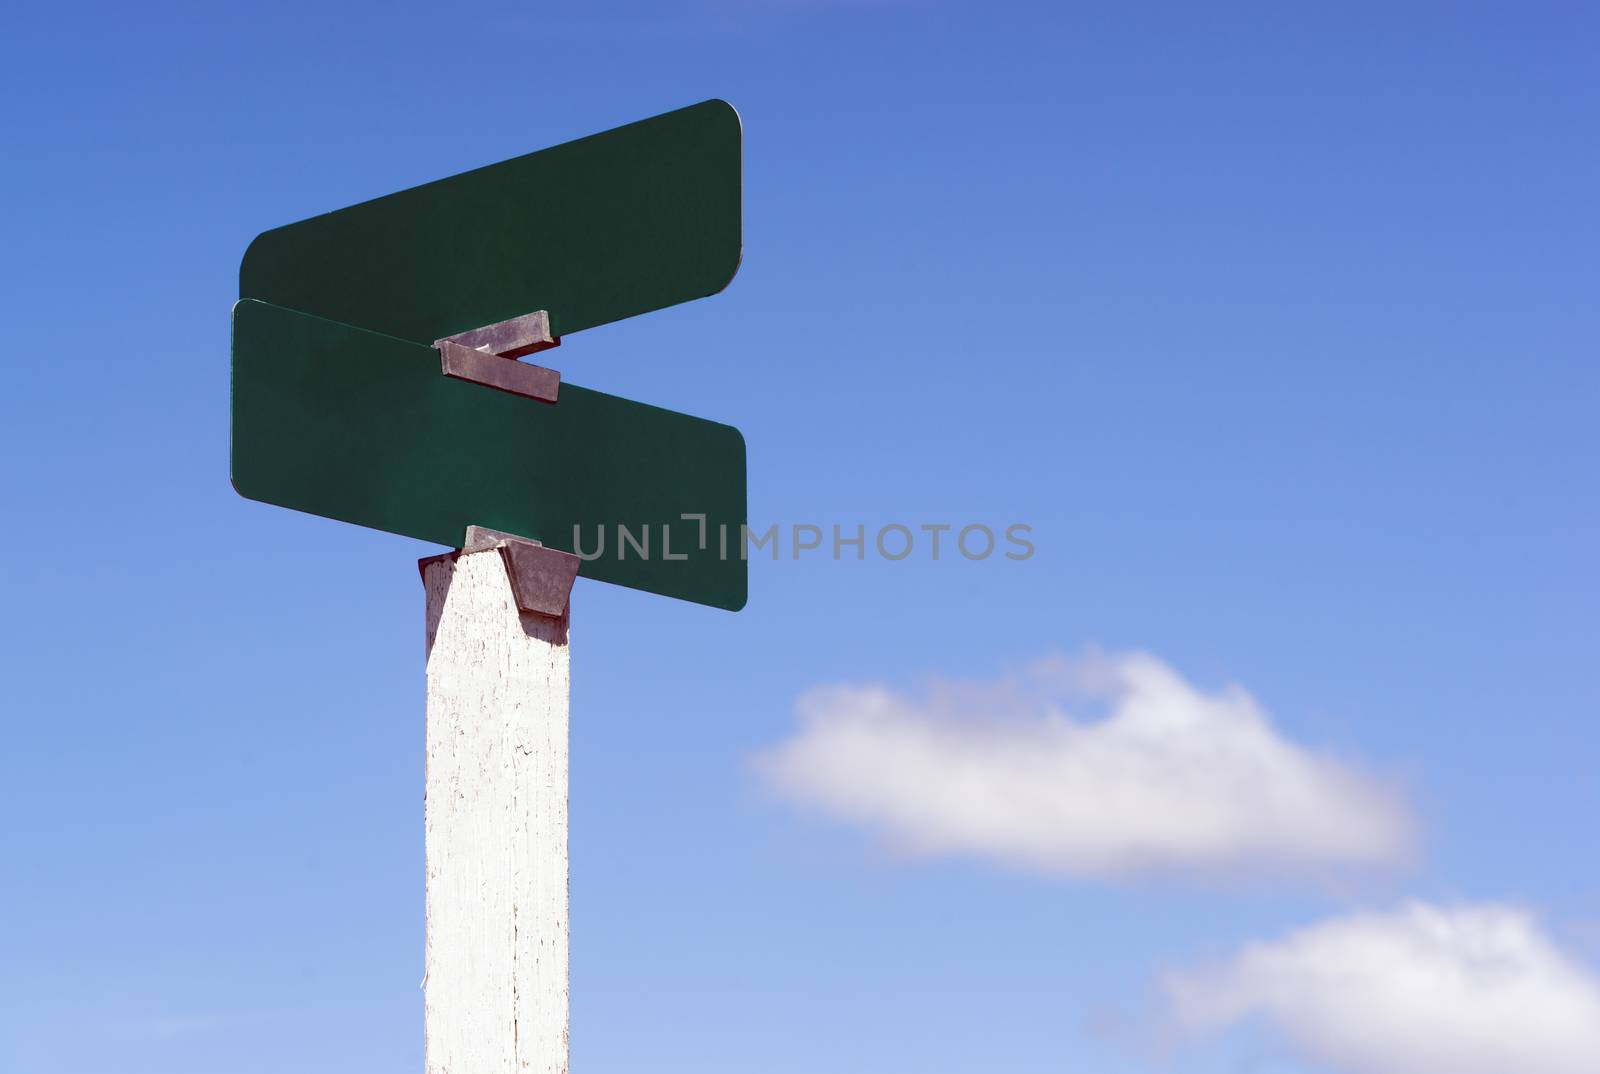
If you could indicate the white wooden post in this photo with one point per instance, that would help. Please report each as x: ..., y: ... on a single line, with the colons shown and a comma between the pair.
x: 495, y: 991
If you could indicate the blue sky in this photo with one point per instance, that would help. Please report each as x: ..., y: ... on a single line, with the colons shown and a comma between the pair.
x: 1278, y: 328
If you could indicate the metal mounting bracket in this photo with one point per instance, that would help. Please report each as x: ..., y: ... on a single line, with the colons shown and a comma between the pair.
x: 489, y: 356
x: 541, y: 578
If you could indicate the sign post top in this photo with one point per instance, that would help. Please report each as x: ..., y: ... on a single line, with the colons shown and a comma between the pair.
x: 375, y: 378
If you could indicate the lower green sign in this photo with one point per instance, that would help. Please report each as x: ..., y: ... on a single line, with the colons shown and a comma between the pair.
x: 365, y: 428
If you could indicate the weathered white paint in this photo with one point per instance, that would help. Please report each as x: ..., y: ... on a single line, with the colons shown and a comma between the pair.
x: 495, y: 993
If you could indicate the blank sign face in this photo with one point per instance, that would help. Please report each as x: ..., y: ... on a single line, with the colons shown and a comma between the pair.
x: 365, y: 428
x: 341, y: 407
x: 620, y: 223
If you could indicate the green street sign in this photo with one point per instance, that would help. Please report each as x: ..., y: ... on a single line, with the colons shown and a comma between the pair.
x: 362, y: 427
x: 610, y: 226
x: 344, y: 406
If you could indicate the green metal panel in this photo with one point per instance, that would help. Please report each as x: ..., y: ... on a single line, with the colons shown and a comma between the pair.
x: 617, y: 224
x: 364, y: 428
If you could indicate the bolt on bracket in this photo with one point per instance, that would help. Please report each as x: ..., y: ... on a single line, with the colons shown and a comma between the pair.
x: 489, y: 356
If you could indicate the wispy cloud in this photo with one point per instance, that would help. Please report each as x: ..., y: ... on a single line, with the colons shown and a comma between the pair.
x: 1421, y: 990
x: 1169, y: 778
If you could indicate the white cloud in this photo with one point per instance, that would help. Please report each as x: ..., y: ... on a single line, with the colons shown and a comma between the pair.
x: 1423, y: 990
x: 1170, y: 779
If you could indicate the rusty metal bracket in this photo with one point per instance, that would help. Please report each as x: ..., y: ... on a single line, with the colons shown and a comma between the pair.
x: 489, y: 356
x: 541, y: 578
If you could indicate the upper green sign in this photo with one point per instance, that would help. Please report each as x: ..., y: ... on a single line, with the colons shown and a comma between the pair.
x: 610, y: 226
